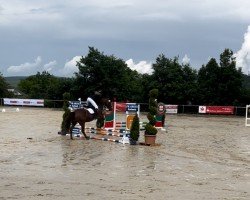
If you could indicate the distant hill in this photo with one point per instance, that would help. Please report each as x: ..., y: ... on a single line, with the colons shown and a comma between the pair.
x: 14, y: 80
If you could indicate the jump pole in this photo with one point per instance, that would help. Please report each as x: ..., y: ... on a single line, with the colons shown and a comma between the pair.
x: 106, y: 133
x: 104, y: 139
x: 124, y: 139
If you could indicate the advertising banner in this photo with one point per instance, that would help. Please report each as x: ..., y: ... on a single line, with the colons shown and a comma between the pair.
x: 171, y: 109
x: 202, y: 109
x: 120, y: 107
x: 224, y: 110
x: 132, y: 107
x: 23, y: 102
x: 77, y: 104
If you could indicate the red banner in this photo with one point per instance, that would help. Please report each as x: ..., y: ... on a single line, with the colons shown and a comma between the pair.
x: 225, y: 110
x: 120, y: 107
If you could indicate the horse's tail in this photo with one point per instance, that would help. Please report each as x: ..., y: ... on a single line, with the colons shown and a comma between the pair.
x: 68, y: 117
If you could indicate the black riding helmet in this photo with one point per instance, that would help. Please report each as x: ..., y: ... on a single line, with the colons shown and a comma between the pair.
x: 97, y: 96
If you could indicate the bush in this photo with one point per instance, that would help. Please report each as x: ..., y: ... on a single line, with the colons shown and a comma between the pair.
x: 149, y: 128
x: 65, y: 122
x: 135, y: 128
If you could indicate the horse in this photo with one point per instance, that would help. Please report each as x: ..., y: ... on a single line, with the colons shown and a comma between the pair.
x: 82, y: 116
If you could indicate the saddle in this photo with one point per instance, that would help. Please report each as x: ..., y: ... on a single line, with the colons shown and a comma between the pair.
x: 91, y: 110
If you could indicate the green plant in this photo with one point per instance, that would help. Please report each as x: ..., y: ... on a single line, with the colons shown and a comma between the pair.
x: 149, y: 128
x: 66, y: 97
x: 65, y: 122
x: 135, y: 128
x: 66, y: 113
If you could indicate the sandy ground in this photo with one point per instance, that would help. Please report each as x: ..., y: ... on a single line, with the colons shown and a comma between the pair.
x: 199, y: 157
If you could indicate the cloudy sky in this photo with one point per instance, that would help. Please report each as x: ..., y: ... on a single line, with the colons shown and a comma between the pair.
x: 38, y: 35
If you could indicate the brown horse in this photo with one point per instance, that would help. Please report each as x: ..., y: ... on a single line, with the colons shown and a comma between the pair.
x: 82, y: 116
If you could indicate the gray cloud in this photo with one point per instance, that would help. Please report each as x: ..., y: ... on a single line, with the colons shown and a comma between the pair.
x: 142, y: 67
x: 131, y: 29
x: 186, y: 59
x: 50, y: 66
x: 69, y: 67
x: 25, y: 68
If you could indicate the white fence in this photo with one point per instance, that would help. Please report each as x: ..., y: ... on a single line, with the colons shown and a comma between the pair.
x: 247, y: 118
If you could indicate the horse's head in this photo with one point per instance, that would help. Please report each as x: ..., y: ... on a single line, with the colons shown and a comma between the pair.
x: 106, y: 104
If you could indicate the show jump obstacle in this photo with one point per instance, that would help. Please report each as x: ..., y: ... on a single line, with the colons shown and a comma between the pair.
x: 121, y: 136
x: 115, y: 131
x: 132, y: 109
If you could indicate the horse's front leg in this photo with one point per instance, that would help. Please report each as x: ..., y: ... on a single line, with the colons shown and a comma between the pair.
x: 83, y: 130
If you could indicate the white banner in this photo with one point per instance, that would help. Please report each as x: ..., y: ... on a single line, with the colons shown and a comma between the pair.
x: 171, y: 109
x: 23, y: 102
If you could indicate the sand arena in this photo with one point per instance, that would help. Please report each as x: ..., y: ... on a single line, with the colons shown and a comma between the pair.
x: 199, y: 157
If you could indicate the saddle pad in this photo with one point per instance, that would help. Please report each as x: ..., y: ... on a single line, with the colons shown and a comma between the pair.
x: 91, y: 111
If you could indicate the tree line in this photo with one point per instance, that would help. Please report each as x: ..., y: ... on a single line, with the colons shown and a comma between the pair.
x: 215, y: 83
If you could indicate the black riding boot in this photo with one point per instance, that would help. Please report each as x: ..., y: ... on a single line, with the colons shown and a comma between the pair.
x: 96, y: 113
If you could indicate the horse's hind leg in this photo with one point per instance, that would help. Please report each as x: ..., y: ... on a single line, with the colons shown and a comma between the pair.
x: 83, y: 130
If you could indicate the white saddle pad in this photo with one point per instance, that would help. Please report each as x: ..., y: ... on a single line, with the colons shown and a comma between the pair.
x: 91, y: 111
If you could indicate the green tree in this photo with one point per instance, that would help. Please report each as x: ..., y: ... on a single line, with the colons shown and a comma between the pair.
x: 109, y: 74
x: 167, y: 78
x: 245, y: 97
x: 64, y: 85
x: 189, y: 84
x: 42, y: 85
x: 147, y: 83
x: 208, y: 80
x: 4, y: 87
x: 176, y: 83
x: 220, y: 84
x: 231, y: 79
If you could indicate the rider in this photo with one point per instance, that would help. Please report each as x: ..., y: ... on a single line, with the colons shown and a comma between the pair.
x: 93, y: 100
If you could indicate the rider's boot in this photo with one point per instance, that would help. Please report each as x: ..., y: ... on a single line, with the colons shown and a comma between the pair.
x: 96, y: 113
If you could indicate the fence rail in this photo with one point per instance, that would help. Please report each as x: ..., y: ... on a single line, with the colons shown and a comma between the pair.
x: 182, y: 109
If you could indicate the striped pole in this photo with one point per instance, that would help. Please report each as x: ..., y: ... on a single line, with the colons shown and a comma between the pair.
x: 104, y: 139
x: 124, y: 135
x: 107, y: 130
x: 107, y: 133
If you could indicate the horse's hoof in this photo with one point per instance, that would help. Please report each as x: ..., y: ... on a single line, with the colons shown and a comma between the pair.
x: 62, y: 132
x: 87, y: 138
